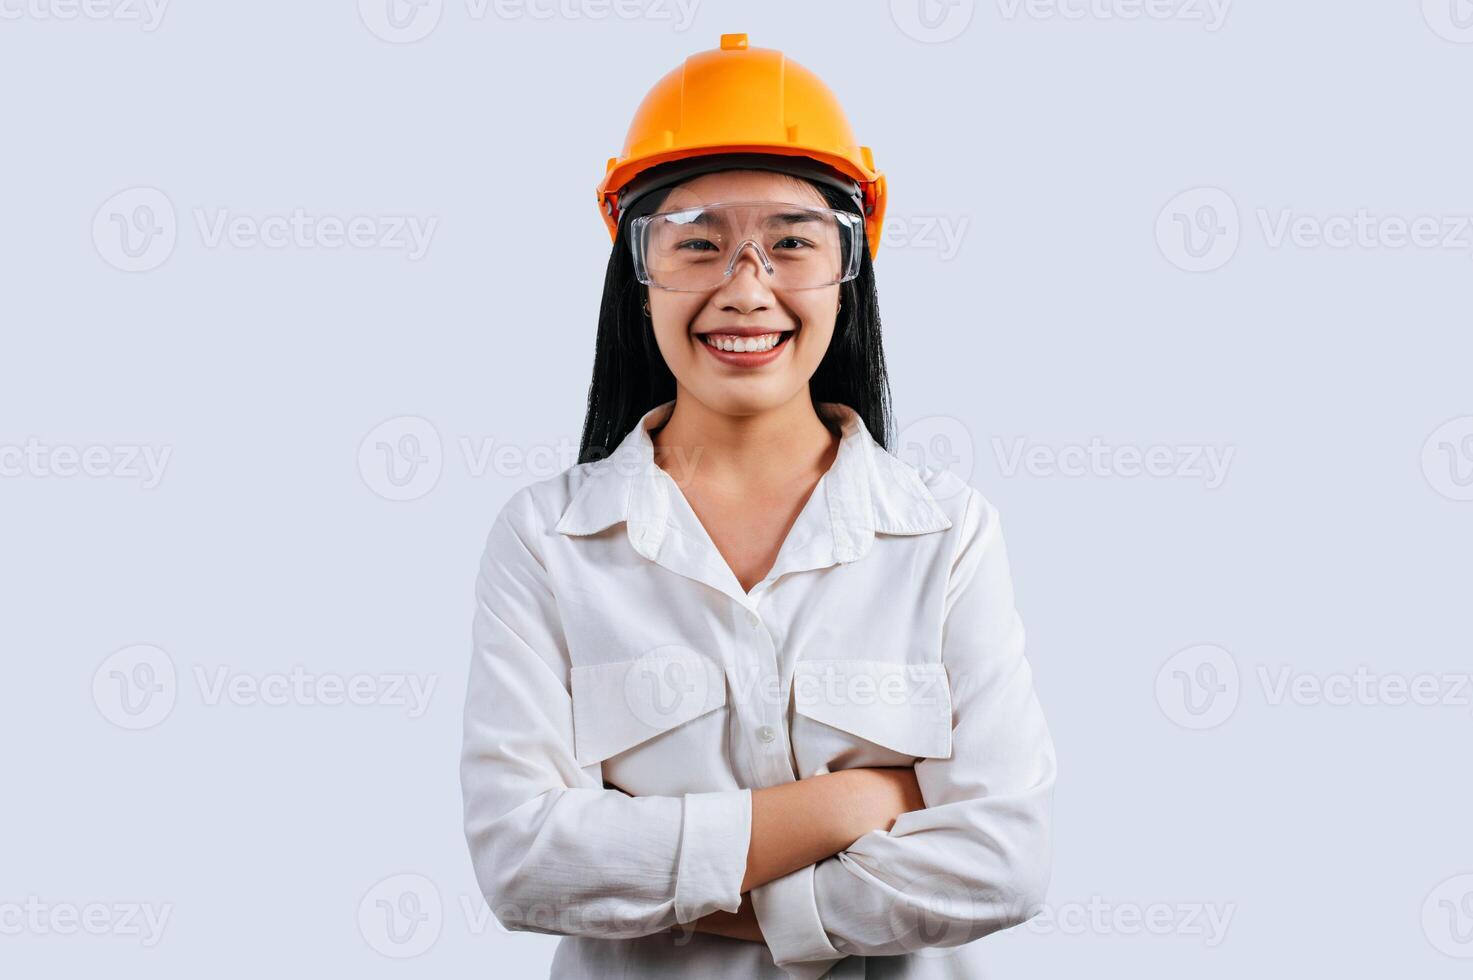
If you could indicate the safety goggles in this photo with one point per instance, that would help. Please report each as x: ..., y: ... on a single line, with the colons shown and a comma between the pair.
x: 795, y: 246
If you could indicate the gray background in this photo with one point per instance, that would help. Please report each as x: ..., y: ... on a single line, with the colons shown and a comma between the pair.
x: 1068, y: 148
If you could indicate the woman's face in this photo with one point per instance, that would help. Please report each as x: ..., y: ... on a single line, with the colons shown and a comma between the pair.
x: 686, y: 322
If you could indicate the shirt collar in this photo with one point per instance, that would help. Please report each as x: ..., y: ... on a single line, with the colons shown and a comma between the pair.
x: 868, y: 491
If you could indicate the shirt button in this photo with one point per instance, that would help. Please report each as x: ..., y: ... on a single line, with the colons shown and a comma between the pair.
x: 753, y: 620
x: 767, y: 733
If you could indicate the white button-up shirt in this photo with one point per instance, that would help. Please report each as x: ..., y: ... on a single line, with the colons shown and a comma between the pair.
x: 626, y: 695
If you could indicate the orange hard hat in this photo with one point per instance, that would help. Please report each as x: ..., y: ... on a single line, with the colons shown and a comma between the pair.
x: 741, y: 100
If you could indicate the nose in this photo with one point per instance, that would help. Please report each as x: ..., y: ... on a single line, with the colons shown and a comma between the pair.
x: 747, y: 287
x: 758, y: 256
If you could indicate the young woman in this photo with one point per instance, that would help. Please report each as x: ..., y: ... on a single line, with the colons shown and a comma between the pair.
x: 748, y: 695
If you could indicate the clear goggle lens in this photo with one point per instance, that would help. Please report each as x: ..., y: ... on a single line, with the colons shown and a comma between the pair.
x: 793, y: 246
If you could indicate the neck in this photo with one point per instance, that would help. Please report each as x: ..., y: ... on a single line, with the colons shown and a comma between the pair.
x: 772, y: 446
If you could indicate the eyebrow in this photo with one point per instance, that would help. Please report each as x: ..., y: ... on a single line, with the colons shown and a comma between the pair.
x: 703, y: 216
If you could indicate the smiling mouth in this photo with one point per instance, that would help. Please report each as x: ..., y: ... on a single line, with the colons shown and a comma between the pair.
x: 757, y: 344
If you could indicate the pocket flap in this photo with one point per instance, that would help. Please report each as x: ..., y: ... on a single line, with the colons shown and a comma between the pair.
x: 618, y: 705
x: 904, y: 707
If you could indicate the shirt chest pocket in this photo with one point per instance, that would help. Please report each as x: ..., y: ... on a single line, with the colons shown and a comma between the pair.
x: 852, y: 713
x: 656, y: 722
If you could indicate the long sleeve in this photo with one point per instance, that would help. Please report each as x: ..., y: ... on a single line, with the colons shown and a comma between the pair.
x: 978, y: 858
x: 553, y: 850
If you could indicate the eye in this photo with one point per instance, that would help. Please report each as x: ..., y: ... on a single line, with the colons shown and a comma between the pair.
x: 697, y: 245
x: 796, y: 243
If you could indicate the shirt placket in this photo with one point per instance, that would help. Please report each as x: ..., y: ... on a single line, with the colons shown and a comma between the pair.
x: 760, y: 696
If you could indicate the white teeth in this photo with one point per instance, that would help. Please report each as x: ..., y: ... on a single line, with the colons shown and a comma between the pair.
x: 748, y: 345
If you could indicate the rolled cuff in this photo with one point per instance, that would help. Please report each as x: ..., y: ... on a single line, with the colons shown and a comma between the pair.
x: 787, y: 911
x: 714, y: 836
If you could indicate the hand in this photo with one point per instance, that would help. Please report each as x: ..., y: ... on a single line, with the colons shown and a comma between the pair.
x: 876, y: 797
x: 803, y: 822
x: 741, y: 924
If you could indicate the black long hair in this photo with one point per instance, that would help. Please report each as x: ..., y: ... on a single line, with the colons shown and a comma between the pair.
x: 630, y: 376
